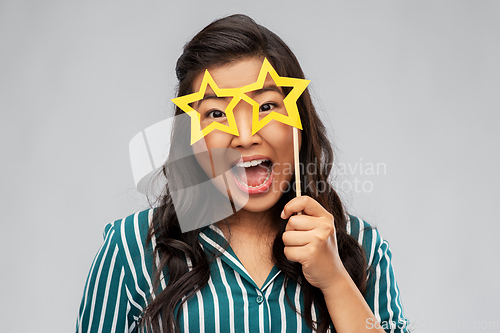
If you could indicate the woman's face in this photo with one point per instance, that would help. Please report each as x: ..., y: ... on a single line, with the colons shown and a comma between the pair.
x: 265, y: 169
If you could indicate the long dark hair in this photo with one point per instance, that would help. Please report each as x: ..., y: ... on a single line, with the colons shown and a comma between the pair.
x: 223, y: 41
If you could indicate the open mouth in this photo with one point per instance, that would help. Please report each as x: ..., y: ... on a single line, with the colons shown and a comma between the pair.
x: 253, y: 177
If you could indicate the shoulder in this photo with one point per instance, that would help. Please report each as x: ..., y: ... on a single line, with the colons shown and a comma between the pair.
x: 119, y: 282
x: 131, y: 230
x: 367, y: 237
x: 130, y: 234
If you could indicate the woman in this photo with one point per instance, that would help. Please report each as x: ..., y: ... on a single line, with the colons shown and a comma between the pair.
x: 281, y: 263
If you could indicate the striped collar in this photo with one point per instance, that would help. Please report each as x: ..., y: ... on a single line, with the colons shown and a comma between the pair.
x: 215, y: 244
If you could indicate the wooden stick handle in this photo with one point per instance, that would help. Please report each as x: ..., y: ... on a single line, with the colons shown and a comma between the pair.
x: 296, y: 160
x: 298, y: 189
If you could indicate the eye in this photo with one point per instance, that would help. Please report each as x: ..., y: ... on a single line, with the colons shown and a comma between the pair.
x: 215, y: 114
x: 266, y: 107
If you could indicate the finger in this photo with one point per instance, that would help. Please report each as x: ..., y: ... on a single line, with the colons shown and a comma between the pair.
x: 294, y: 253
x: 304, y: 204
x: 301, y: 223
x: 296, y: 238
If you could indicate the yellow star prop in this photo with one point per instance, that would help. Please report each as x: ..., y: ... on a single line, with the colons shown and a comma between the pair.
x: 290, y: 101
x: 238, y: 94
x: 183, y: 103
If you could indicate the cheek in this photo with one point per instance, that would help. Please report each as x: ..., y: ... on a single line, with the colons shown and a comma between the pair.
x: 211, y: 142
x: 217, y: 139
x: 278, y: 135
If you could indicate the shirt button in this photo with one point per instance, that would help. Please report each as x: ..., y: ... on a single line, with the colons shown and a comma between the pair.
x: 259, y: 299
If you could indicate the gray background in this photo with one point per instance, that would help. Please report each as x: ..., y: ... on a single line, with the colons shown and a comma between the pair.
x: 410, y: 84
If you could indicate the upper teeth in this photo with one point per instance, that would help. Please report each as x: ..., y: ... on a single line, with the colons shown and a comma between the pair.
x: 250, y: 163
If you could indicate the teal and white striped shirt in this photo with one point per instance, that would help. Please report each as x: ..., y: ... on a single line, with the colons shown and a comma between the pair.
x: 119, y: 286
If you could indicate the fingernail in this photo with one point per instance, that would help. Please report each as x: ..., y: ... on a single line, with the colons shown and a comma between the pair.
x: 283, y: 214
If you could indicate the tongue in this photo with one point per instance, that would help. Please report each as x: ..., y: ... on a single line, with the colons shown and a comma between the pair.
x: 253, y: 176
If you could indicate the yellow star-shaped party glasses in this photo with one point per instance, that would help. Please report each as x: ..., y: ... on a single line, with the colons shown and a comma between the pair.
x: 238, y: 94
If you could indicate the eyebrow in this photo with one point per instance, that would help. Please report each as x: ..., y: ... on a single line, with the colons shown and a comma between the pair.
x: 210, y: 96
x: 266, y: 89
x: 253, y: 93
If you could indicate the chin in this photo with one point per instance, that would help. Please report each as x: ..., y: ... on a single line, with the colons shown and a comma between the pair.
x: 261, y: 203
x: 257, y: 207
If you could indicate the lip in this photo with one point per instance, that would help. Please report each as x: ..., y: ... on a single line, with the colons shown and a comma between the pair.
x: 250, y: 158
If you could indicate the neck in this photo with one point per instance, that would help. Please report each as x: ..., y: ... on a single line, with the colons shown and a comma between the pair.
x: 250, y: 224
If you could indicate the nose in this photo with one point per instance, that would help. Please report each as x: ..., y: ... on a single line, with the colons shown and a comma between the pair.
x: 243, y: 116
